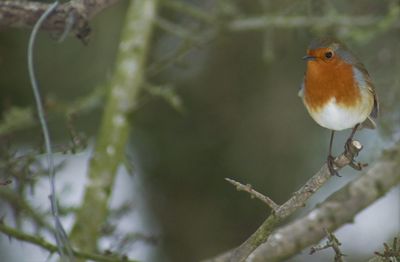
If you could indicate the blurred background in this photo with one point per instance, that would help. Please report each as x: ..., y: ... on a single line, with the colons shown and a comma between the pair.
x: 238, y: 116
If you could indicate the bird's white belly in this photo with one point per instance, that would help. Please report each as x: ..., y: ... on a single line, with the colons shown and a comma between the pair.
x: 337, y: 118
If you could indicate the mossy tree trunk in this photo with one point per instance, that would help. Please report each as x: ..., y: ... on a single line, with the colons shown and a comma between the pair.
x: 113, y: 134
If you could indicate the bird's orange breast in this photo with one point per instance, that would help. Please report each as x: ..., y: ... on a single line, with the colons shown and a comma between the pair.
x: 324, y: 81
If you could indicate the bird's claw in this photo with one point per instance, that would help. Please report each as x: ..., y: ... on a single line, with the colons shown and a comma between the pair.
x: 358, y: 165
x: 330, y: 161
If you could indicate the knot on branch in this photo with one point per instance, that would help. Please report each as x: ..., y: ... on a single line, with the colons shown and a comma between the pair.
x: 352, y: 149
x: 68, y: 17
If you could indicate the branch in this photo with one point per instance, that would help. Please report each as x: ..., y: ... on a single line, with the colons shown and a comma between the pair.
x: 263, y: 22
x: 390, y: 253
x: 297, y: 201
x: 110, y: 146
x: 17, y: 201
x: 333, y: 243
x: 5, y: 182
x: 189, y: 10
x: 74, y: 14
x: 20, y: 118
x: 248, y: 188
x: 271, y: 21
x: 38, y: 241
x: 337, y: 210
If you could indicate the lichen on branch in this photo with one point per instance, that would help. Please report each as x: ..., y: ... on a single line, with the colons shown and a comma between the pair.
x: 110, y: 144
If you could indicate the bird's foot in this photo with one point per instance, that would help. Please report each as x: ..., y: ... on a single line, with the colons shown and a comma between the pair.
x: 347, y: 146
x: 358, y: 165
x: 330, y: 161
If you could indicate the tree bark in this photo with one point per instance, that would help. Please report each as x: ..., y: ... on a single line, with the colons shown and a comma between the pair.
x: 111, y: 141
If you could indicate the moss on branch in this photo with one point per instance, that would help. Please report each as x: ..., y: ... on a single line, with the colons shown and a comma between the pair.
x: 38, y: 241
x: 113, y: 135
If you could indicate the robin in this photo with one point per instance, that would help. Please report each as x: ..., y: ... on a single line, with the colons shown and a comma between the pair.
x: 337, y: 91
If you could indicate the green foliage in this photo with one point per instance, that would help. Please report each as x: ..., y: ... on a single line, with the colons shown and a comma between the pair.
x: 16, y: 119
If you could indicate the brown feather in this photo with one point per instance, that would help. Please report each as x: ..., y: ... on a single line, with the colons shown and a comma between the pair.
x: 371, y: 88
x: 325, y: 80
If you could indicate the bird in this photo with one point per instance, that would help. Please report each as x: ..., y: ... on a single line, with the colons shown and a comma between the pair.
x: 337, y: 91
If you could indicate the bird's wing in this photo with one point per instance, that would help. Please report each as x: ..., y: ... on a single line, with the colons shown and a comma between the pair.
x: 370, y: 87
x: 375, y: 109
x: 364, y: 80
x: 363, y: 77
x: 301, y: 89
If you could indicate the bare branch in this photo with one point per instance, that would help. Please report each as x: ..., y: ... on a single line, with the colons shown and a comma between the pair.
x: 108, y: 155
x: 5, y: 182
x: 263, y: 22
x: 337, y: 210
x: 333, y: 243
x: 254, y: 193
x: 74, y: 14
x: 390, y: 252
x: 15, y: 200
x: 190, y: 10
x: 298, y: 200
x: 38, y: 241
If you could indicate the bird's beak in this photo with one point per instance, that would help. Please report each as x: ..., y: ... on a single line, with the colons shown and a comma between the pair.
x: 309, y: 58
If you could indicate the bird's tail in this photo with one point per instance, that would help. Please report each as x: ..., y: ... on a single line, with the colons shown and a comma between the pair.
x: 368, y: 123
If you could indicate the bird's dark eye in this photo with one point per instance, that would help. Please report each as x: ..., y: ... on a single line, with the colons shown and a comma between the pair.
x: 328, y: 54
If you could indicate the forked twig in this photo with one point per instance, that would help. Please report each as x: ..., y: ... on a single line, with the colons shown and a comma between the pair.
x: 391, y: 251
x: 248, y: 188
x: 297, y: 201
x: 333, y: 243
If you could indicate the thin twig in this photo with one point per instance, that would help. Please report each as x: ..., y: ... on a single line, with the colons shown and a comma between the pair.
x: 5, y: 182
x: 16, y: 200
x: 248, y: 188
x: 339, y: 209
x: 178, y: 30
x: 273, y: 21
x: 390, y: 251
x: 20, y: 118
x: 297, y: 201
x: 190, y: 10
x: 184, y: 48
x: 24, y: 14
x: 38, y: 241
x: 333, y: 243
x: 111, y: 142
